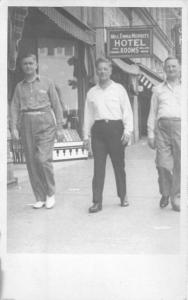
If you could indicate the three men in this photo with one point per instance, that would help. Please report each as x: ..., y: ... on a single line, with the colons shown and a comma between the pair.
x: 164, y: 133
x: 35, y: 102
x: 109, y: 123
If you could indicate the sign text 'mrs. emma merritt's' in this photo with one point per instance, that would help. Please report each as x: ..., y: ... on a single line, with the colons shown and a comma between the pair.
x: 129, y: 42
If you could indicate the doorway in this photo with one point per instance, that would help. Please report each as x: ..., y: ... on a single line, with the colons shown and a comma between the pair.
x: 144, y: 100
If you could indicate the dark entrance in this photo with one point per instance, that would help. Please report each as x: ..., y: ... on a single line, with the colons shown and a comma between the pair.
x: 144, y: 100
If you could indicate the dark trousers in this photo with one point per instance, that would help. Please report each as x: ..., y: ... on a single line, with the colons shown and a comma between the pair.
x: 106, y: 139
x: 38, y: 135
x: 168, y: 160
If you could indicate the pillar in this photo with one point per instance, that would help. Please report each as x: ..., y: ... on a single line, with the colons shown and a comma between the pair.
x: 135, y: 118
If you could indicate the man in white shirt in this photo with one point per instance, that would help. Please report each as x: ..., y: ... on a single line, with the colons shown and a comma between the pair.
x: 108, y: 121
x: 164, y: 133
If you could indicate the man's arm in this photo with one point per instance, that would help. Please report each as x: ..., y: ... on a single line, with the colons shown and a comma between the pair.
x: 60, y: 94
x: 14, y: 113
x: 88, y: 120
x: 152, y: 116
x: 56, y: 106
x: 127, y: 116
x: 152, y: 121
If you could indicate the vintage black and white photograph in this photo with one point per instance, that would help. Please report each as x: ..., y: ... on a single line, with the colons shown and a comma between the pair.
x: 94, y: 144
x: 94, y: 122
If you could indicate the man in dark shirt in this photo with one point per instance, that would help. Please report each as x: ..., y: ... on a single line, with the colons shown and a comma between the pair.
x: 36, y: 104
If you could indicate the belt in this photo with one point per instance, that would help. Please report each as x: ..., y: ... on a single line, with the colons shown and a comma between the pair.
x: 107, y: 121
x: 169, y: 119
x: 36, y: 111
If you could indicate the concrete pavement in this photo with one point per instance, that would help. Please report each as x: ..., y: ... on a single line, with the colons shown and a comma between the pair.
x: 141, y: 228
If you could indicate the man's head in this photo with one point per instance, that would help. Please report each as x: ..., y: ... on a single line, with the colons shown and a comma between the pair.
x: 172, y: 68
x: 29, y: 64
x: 103, y: 68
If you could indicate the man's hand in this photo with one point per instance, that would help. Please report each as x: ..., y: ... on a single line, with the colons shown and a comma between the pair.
x: 152, y: 143
x: 87, y: 144
x: 64, y: 121
x: 15, y: 134
x: 125, y: 138
x: 60, y: 135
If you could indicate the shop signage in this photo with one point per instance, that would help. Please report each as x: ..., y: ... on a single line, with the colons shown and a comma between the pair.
x: 129, y: 41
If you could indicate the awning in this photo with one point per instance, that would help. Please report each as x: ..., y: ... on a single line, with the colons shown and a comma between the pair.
x: 130, y: 69
x: 68, y: 26
x: 147, y: 81
x: 148, y: 78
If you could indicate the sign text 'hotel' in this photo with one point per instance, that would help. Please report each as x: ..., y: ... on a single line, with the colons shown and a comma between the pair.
x: 129, y: 42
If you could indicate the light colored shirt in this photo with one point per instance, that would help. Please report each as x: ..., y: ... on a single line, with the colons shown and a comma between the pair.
x: 165, y: 103
x: 110, y: 103
x: 37, y: 94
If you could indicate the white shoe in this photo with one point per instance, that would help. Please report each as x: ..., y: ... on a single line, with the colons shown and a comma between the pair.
x: 38, y: 204
x: 50, y: 201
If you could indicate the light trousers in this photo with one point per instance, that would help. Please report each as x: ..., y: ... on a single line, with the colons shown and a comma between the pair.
x: 38, y: 135
x: 168, y: 158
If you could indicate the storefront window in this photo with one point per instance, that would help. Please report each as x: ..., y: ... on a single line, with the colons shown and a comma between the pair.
x: 58, y: 60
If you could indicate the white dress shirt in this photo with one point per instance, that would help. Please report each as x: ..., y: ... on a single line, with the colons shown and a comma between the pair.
x: 110, y: 103
x: 165, y: 103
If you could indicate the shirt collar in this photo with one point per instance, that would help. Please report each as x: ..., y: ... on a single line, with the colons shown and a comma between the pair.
x: 169, y: 85
x: 37, y: 77
x: 99, y: 87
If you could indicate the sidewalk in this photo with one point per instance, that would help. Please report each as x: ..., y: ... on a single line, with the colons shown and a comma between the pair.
x: 141, y: 228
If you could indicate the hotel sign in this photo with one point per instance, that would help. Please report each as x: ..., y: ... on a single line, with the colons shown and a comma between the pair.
x: 130, y: 41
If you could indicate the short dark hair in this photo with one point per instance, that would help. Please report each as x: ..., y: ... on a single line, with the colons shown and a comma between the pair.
x: 103, y: 60
x: 169, y: 58
x: 26, y: 55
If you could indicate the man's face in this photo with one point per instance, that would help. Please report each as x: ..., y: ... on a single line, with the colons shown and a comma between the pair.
x: 172, y: 69
x: 29, y: 65
x: 104, y: 71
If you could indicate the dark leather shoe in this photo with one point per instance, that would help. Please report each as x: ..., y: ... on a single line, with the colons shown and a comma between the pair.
x: 175, y: 202
x: 124, y: 202
x: 164, y: 201
x: 95, y: 208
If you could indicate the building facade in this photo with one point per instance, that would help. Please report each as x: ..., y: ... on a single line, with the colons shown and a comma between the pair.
x: 67, y: 40
x: 64, y: 45
x: 166, y: 40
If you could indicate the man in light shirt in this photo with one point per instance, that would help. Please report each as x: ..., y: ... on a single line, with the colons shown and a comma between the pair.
x: 108, y: 121
x: 164, y: 133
